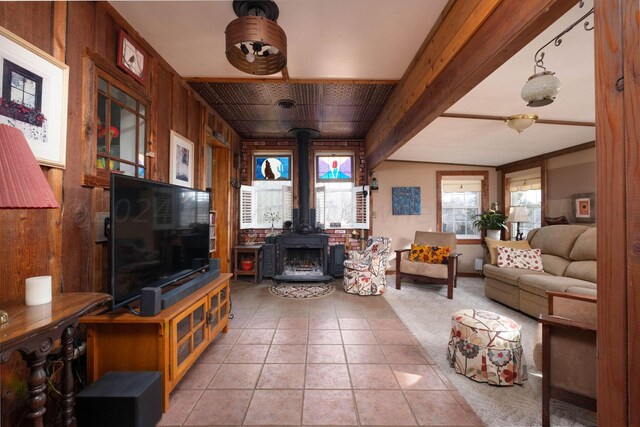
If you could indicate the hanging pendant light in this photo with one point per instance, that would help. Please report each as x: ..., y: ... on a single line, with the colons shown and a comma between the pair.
x: 255, y: 43
x: 542, y: 87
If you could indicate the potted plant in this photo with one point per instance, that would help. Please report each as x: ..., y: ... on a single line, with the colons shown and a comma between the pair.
x: 492, y: 222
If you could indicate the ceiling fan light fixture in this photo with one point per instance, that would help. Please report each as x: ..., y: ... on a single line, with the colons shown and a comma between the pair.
x: 520, y: 122
x: 540, y: 89
x: 255, y: 43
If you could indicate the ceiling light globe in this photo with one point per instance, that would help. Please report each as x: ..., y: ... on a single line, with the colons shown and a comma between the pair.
x: 520, y: 122
x: 541, y: 89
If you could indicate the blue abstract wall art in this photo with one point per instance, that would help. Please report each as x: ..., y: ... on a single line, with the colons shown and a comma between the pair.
x: 405, y: 200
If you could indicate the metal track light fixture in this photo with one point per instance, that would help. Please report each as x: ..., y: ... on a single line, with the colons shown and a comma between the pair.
x: 543, y: 86
x: 255, y: 43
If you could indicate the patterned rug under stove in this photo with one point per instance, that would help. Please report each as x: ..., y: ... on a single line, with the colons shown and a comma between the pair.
x: 302, y: 291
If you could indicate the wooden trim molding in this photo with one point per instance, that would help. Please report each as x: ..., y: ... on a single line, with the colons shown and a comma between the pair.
x: 504, y: 118
x: 533, y: 161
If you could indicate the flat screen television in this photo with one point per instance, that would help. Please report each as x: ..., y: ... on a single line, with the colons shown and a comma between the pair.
x: 159, y: 234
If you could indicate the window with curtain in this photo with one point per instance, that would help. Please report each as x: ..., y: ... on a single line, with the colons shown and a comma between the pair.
x: 461, y: 199
x: 526, y: 191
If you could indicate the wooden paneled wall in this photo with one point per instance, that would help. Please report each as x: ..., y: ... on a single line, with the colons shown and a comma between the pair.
x: 61, y: 242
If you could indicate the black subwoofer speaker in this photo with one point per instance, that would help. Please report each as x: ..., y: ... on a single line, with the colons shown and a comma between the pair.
x: 123, y: 399
x: 336, y: 260
x: 150, y: 301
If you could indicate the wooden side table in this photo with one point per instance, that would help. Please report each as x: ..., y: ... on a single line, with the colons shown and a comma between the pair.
x: 32, y: 331
x: 253, y: 250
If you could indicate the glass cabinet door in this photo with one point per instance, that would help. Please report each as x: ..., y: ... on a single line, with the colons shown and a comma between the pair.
x: 189, y: 332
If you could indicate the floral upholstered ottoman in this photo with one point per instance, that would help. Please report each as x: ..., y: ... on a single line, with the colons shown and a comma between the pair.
x: 485, y: 347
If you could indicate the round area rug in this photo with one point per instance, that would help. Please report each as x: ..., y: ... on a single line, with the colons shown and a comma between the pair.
x: 306, y: 291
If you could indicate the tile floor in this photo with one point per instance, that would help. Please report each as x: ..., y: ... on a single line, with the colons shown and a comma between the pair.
x: 338, y: 360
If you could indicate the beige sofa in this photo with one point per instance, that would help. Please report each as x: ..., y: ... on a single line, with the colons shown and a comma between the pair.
x: 569, y: 263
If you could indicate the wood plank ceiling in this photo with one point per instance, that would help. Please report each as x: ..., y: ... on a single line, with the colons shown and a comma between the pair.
x: 339, y: 110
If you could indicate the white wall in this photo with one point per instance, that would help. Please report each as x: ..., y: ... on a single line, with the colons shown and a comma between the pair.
x: 402, y: 228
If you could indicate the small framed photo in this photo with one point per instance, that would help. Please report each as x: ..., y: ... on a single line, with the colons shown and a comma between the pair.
x: 272, y: 168
x: 33, y: 97
x: 181, y: 160
x: 131, y: 58
x: 583, y: 207
x: 334, y: 168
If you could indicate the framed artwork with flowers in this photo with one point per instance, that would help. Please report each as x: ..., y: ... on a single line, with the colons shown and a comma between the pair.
x: 33, y: 97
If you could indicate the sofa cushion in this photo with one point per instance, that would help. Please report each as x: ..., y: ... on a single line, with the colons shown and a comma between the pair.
x: 585, y: 247
x: 492, y: 245
x: 437, y: 271
x: 508, y: 275
x: 554, y: 264
x: 539, y: 285
x: 583, y: 270
x: 556, y: 239
x: 528, y: 259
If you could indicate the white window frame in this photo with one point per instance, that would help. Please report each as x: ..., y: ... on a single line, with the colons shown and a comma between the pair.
x: 461, y: 176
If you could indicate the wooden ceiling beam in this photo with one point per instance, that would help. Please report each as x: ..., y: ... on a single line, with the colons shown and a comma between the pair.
x: 472, y: 41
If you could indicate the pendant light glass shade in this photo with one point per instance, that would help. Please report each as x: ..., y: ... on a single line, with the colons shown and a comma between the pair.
x: 541, y: 89
x: 520, y: 122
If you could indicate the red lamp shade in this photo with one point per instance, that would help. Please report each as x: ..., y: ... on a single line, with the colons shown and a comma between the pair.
x: 22, y: 182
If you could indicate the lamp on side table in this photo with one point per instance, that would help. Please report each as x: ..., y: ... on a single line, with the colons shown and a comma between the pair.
x: 518, y: 214
x: 22, y: 183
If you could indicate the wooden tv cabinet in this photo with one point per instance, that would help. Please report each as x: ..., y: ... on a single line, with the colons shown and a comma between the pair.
x: 169, y: 342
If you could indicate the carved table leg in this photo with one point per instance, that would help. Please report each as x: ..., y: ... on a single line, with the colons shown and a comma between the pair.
x: 37, y: 386
x: 68, y: 400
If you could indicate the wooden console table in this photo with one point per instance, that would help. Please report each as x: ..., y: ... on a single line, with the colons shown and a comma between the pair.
x: 169, y: 342
x: 33, y: 330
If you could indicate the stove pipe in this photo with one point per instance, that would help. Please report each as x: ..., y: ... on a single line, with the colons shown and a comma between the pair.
x: 303, y: 137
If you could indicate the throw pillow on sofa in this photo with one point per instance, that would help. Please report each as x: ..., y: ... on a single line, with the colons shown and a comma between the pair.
x: 430, y: 254
x: 492, y: 245
x: 529, y: 259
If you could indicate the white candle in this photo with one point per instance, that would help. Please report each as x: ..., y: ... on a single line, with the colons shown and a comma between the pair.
x: 38, y: 290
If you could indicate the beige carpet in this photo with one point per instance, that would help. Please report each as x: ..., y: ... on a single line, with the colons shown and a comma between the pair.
x: 426, y: 311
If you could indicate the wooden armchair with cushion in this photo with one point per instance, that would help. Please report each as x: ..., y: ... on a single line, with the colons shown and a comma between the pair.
x: 425, y: 267
x: 565, y: 351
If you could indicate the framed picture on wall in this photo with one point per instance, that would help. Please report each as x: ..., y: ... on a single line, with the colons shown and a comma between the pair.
x: 33, y: 97
x: 131, y: 58
x: 405, y: 200
x: 583, y: 207
x: 181, y: 160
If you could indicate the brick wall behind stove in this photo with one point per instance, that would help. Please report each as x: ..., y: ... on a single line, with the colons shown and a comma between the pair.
x: 336, y: 236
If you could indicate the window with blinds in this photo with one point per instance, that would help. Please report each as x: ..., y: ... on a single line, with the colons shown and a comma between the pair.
x: 265, y: 202
x: 461, y: 201
x: 525, y: 189
x: 341, y: 205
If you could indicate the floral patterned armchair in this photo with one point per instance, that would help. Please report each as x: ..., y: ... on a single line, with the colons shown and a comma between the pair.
x: 364, y: 271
